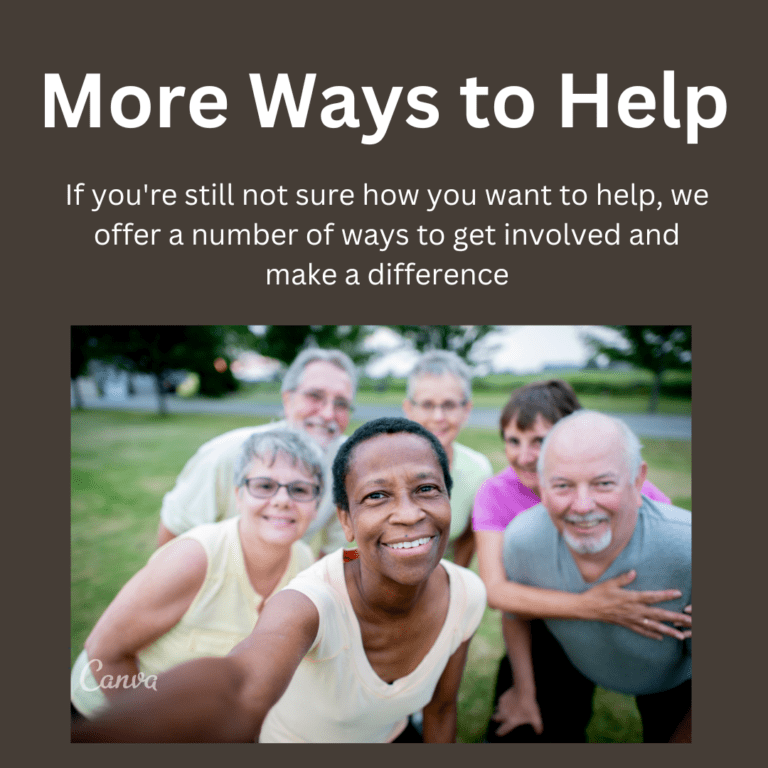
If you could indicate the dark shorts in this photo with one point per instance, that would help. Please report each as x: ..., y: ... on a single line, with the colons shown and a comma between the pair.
x: 409, y: 736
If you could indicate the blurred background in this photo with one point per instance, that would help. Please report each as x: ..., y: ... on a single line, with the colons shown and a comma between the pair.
x: 144, y: 398
x: 639, y: 368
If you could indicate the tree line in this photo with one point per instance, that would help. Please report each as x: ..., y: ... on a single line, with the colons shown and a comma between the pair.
x: 208, y: 350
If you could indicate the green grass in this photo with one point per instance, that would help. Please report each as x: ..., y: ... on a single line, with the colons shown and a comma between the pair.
x: 122, y: 463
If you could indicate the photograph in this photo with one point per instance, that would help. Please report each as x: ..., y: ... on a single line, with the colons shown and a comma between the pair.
x: 366, y: 533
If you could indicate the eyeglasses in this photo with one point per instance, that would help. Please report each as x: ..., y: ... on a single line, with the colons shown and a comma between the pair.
x: 320, y: 398
x: 449, y: 407
x: 266, y: 488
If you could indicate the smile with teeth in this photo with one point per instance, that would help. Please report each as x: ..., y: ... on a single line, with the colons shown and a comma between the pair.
x: 410, y: 544
x: 585, y: 522
x: 331, y: 427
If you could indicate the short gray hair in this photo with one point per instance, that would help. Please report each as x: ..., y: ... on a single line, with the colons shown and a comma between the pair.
x: 303, y: 359
x: 438, y: 363
x: 265, y: 446
x: 631, y: 447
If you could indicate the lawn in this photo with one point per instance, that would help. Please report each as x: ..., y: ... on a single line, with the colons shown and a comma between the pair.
x: 122, y: 463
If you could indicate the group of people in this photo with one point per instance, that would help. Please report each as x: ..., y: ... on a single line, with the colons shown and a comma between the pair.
x: 310, y: 587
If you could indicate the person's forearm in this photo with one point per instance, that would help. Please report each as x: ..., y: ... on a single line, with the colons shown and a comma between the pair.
x: 519, y: 599
x: 440, y: 723
x: 538, y: 603
x: 517, y: 639
x: 200, y: 701
x: 609, y: 601
x: 113, y: 675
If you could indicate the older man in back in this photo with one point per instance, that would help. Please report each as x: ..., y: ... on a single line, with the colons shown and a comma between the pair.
x: 440, y: 399
x: 317, y: 391
x: 593, y: 524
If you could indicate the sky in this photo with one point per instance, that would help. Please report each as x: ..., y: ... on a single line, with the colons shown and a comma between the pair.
x: 518, y: 349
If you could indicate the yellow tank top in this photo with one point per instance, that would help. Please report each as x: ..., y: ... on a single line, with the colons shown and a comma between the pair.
x: 223, y: 612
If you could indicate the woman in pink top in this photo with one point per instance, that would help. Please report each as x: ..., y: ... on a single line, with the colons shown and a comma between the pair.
x: 525, y: 421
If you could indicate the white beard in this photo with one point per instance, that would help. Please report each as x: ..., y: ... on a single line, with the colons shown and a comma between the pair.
x: 587, y: 546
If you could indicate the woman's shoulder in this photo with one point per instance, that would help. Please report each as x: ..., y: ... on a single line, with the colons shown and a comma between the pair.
x: 180, y: 566
x: 323, y: 584
x: 654, y: 493
x: 210, y: 538
x: 501, y: 483
x: 465, y: 581
x: 323, y: 580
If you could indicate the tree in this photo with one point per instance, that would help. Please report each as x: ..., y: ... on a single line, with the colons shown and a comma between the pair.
x: 284, y: 342
x: 656, y: 348
x: 158, y: 349
x: 457, y: 338
x: 82, y: 350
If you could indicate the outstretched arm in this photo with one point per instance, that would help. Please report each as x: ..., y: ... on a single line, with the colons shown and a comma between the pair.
x: 607, y: 601
x: 517, y: 705
x: 217, y: 699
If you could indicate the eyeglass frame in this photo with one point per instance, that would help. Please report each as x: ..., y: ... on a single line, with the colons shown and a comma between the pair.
x: 449, y: 407
x: 287, y: 487
x: 321, y: 398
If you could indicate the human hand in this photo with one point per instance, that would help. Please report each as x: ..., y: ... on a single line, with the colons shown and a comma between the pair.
x: 514, y: 709
x: 687, y: 609
x: 610, y: 602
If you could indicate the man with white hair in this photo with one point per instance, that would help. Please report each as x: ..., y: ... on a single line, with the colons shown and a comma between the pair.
x: 318, y: 390
x: 594, y: 524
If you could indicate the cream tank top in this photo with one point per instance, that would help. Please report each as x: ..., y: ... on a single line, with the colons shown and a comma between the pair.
x: 223, y: 612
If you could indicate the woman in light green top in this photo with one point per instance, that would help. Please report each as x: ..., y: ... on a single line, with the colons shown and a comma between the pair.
x: 201, y: 593
x: 439, y: 398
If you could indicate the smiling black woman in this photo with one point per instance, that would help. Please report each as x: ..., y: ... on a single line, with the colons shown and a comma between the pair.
x: 347, y: 650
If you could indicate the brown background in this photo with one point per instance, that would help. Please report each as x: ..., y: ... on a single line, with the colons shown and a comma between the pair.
x: 57, y: 276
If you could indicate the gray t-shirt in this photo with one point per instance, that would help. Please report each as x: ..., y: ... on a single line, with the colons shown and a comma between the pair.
x: 612, y: 656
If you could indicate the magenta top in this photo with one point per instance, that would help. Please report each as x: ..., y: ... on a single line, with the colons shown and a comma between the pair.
x: 503, y: 497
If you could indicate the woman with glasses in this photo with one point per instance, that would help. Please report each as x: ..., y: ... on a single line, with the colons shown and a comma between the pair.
x: 201, y: 593
x: 440, y: 399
